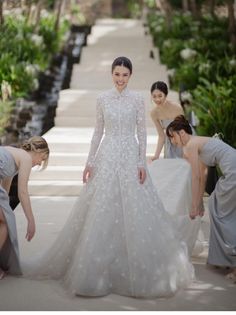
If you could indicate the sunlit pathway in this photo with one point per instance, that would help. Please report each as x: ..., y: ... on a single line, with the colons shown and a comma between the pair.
x: 54, y: 191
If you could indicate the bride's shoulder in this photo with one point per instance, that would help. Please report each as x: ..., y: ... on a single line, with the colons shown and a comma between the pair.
x: 137, y: 96
x: 104, y: 95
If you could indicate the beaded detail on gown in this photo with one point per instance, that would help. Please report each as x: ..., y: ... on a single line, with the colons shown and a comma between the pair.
x: 222, y: 203
x: 118, y: 238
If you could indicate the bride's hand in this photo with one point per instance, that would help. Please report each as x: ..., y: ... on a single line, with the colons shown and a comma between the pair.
x: 153, y: 158
x: 87, y: 174
x: 141, y: 174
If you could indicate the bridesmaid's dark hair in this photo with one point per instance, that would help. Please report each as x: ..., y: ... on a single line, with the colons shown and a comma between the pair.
x: 161, y: 86
x: 122, y: 61
x: 179, y: 123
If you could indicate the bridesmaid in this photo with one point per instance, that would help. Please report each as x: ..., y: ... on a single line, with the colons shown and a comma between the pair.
x: 162, y: 114
x: 202, y: 152
x: 34, y: 152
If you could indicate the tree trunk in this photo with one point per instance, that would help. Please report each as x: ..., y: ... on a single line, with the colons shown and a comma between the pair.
x: 59, y: 10
x: 166, y: 7
x: 185, y: 5
x: 1, y: 12
x: 194, y: 9
x: 232, y: 24
x: 38, y: 13
x: 28, y: 6
x: 212, y: 7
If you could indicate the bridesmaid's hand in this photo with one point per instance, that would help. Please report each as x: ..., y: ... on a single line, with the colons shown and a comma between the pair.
x: 87, y: 174
x: 193, y: 214
x: 30, y: 230
x: 141, y: 174
x: 201, y: 210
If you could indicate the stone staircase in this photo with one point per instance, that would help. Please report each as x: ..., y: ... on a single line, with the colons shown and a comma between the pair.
x: 69, y: 140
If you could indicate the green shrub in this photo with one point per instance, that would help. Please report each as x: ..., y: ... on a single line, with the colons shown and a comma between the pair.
x: 214, y: 104
x: 5, y: 113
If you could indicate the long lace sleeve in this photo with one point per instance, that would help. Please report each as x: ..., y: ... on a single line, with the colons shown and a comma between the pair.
x: 97, y: 135
x: 141, y: 131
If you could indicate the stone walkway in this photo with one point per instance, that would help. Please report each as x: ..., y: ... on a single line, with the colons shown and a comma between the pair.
x: 53, y: 192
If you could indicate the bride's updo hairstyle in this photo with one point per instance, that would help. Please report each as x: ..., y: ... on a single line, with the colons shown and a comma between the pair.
x: 122, y: 61
x: 39, y: 145
x: 179, y: 123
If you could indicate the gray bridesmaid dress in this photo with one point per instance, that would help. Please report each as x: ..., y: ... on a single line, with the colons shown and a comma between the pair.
x: 9, y: 254
x: 170, y: 151
x: 222, y: 203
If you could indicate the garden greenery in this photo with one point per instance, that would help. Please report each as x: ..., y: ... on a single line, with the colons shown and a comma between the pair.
x: 202, y: 61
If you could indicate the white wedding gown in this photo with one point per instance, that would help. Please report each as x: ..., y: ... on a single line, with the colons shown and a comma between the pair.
x: 118, y: 238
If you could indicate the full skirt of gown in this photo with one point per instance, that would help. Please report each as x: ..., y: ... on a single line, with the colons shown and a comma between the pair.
x: 118, y: 238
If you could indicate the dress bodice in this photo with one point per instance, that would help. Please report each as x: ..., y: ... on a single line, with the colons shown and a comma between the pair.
x: 216, y: 152
x: 121, y: 115
x: 166, y: 122
x: 8, y: 166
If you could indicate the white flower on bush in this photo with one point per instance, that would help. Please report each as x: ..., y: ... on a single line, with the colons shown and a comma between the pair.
x: 38, y: 40
x: 167, y: 43
x: 187, y: 53
x: 66, y: 17
x: 203, y: 67
x: 186, y: 96
x: 19, y: 36
x: 32, y: 69
x: 159, y: 29
x: 35, y: 84
x: 232, y: 62
x: 19, y: 17
x: 6, y: 90
x: 6, y: 12
x: 171, y: 72
x: 45, y: 13
x: 17, y: 11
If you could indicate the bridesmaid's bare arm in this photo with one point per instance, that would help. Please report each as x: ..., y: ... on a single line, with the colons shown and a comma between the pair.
x: 191, y: 155
x: 161, y: 135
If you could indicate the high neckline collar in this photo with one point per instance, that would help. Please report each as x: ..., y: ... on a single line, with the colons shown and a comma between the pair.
x: 124, y: 92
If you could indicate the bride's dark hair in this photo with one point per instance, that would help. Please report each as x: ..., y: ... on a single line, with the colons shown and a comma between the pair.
x: 122, y: 61
x: 179, y: 123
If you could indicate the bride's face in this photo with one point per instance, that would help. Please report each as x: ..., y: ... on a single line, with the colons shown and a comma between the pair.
x: 120, y: 76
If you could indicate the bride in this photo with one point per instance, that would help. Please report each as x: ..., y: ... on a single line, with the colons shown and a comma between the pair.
x: 118, y: 238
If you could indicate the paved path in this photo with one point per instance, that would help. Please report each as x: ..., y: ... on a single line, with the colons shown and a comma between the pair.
x: 54, y: 190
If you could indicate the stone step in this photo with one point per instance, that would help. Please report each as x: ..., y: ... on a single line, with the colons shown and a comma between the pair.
x: 71, y: 159
x: 54, y: 187
x: 84, y: 147
x: 102, y: 80
x: 76, y: 121
x: 141, y: 62
x: 59, y: 172
x: 67, y: 159
x: 73, y: 121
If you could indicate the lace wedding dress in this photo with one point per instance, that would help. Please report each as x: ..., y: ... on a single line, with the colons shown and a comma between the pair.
x: 118, y: 238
